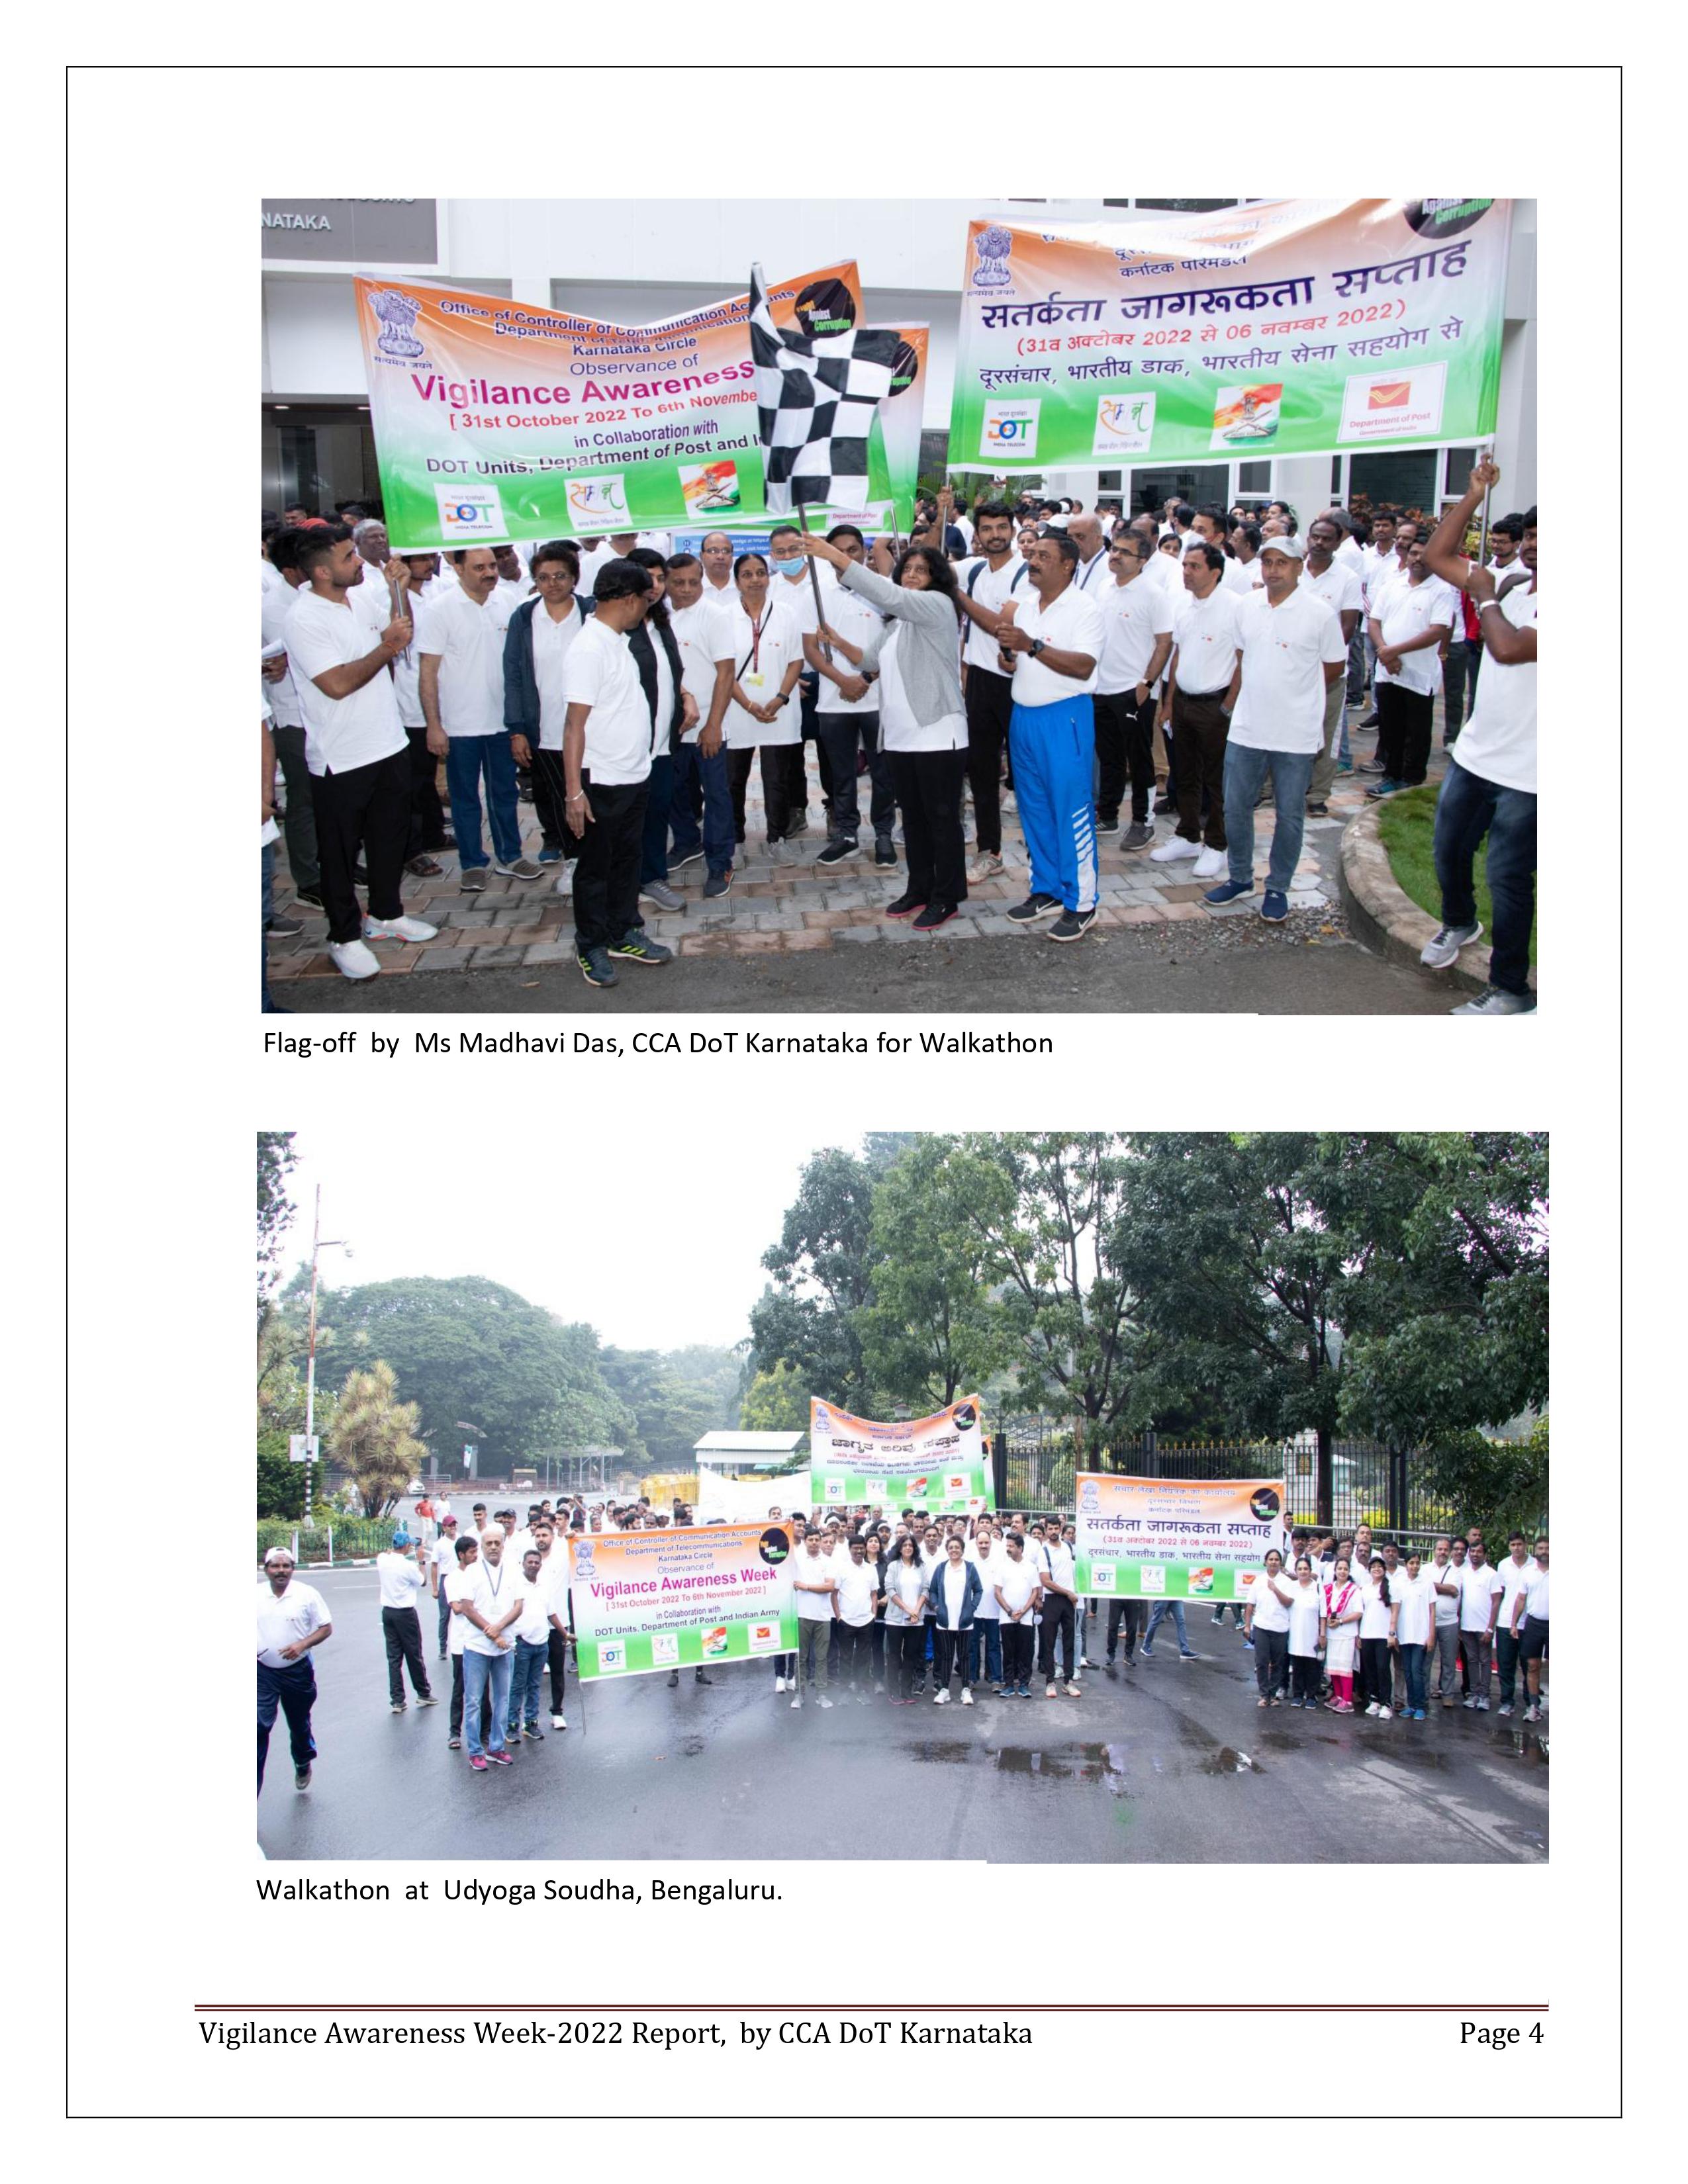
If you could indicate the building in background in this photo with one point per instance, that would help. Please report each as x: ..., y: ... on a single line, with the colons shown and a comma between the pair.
x: 633, y: 261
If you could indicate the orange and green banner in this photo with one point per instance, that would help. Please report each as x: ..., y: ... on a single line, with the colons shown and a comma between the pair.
x: 1294, y: 325
x: 1174, y: 1539
x: 644, y: 1601
x: 500, y: 421
x: 938, y: 1464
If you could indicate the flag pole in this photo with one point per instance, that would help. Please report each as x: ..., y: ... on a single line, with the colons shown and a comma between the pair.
x: 815, y: 582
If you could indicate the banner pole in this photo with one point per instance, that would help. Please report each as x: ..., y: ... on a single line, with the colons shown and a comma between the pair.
x: 1483, y: 535
x: 815, y: 582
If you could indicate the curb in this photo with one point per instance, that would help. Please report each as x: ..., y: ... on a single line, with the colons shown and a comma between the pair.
x: 1385, y: 918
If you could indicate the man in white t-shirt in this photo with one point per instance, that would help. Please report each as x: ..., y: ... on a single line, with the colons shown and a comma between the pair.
x: 1194, y: 712
x: 1413, y: 622
x: 1061, y: 1606
x: 814, y: 1581
x: 1529, y: 1626
x: 1137, y: 643
x: 531, y: 1630
x: 1479, y: 1603
x: 1055, y: 636
x: 293, y: 1620
x: 992, y: 575
x: 491, y: 1606
x: 400, y: 1576
x: 1337, y: 582
x: 847, y: 714
x: 537, y: 640
x: 1290, y: 649
x: 857, y: 1595
x: 462, y: 688
x: 716, y: 554
x: 1447, y: 1586
x: 608, y: 737
x: 282, y: 579
x: 702, y: 792
x: 1489, y: 785
x: 441, y: 1563
x: 1516, y: 1571
x: 355, y: 747
x: 989, y: 1559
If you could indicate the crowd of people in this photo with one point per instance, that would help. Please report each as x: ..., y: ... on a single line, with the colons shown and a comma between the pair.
x: 890, y: 1607
x: 1094, y: 674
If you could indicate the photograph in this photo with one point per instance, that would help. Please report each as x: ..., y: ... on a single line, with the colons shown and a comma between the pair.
x: 1030, y: 604
x: 987, y: 1496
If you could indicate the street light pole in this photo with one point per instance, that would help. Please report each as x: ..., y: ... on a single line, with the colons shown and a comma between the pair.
x: 318, y: 1243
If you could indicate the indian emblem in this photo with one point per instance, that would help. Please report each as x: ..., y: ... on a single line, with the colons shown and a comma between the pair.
x: 993, y: 248
x: 397, y: 314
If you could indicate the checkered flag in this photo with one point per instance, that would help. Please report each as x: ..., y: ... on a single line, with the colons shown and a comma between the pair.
x: 816, y: 397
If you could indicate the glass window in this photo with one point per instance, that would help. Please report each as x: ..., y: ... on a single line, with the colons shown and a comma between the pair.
x: 1254, y: 478
x: 1404, y: 480
x: 1182, y: 205
x: 1457, y: 474
x: 1195, y: 482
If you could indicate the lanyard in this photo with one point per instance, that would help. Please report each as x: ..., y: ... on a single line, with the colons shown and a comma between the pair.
x: 756, y: 629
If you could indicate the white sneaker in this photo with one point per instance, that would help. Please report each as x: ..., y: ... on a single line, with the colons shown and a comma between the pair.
x: 1175, y: 851
x: 352, y: 960
x: 940, y: 1698
x: 779, y: 1683
x: 398, y: 928
x: 557, y: 1722
x: 1373, y: 1708
x: 1482, y: 1706
x: 967, y: 1694
x: 1439, y: 953
x: 798, y: 1701
x: 1384, y: 1714
x: 1212, y: 863
x: 985, y: 866
x: 823, y: 1701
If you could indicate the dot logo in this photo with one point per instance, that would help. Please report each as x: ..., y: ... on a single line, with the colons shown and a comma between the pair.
x: 468, y: 513
x: 1011, y: 429
x: 612, y: 1655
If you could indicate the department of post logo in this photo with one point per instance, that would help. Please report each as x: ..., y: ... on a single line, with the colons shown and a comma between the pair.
x: 991, y: 248
x: 397, y: 315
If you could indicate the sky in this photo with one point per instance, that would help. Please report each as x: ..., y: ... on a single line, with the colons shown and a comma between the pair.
x: 657, y: 1245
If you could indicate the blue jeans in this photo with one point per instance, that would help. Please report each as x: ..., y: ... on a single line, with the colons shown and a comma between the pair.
x: 695, y: 775
x: 986, y: 1637
x: 1468, y: 808
x: 468, y: 759
x: 1412, y: 1669
x: 487, y: 1673
x: 654, y: 849
x: 1246, y: 772
x: 523, y: 1684
x: 444, y: 1620
x: 1161, y: 1609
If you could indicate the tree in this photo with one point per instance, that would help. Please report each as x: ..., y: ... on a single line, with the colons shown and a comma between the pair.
x: 280, y: 1482
x: 933, y: 1330
x: 470, y: 1351
x: 1501, y: 1484
x: 671, y: 1415
x: 1044, y: 1208
x: 776, y: 1401
x: 824, y: 1270
x: 275, y: 1161
x: 374, y: 1437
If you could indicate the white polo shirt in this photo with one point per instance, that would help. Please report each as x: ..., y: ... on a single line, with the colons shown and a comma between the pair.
x: 1339, y: 587
x: 857, y: 1585
x: 552, y: 643
x: 704, y: 636
x: 468, y: 643
x: 277, y: 605
x: 1514, y: 1578
x: 283, y: 1620
x: 855, y: 621
x: 1498, y: 741
x: 1407, y: 611
x: 341, y: 734
x: 1478, y: 1589
x: 1069, y: 623
x: 990, y: 1567
x: 990, y: 588
x: 599, y: 672
x: 400, y: 1578
x: 492, y: 1593
x: 1133, y: 616
x: 460, y: 1585
x: 1017, y: 1582
x: 1284, y: 649
x: 1205, y: 637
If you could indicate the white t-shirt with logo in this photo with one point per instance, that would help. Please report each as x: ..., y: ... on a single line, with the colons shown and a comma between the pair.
x: 1407, y: 611
x: 400, y: 1578
x: 1338, y: 586
x: 1133, y: 616
x: 277, y: 603
x: 990, y: 1567
x: 1285, y: 650
x: 1071, y: 623
x: 809, y: 1570
x: 460, y: 1585
x: 855, y: 621
x: 468, y: 643
x: 1270, y: 1613
x: 704, y: 636
x: 1514, y: 1578
x: 1497, y: 744
x: 600, y: 673
x: 1307, y: 1606
x: 1374, y: 1616
x: 492, y: 1593
x: 857, y: 1585
x: 341, y: 734
x: 283, y: 1620
x: 1016, y: 1582
x: 1205, y: 640
x: 762, y: 650
x: 1413, y: 1599
x: 552, y: 641
x: 1478, y: 1588
x: 991, y: 589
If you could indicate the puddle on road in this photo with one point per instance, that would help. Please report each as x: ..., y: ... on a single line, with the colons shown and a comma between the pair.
x: 1224, y: 1761
x: 1072, y: 1763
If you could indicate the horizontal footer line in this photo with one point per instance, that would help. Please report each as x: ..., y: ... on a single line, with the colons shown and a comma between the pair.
x: 874, y: 2009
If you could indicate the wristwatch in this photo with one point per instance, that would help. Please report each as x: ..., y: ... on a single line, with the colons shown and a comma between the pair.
x: 1035, y: 647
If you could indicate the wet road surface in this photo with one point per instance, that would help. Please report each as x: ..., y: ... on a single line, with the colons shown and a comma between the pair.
x: 1169, y: 1761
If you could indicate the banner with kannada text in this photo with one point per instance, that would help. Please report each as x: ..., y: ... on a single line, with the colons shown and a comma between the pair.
x: 1297, y: 326
x: 1174, y: 1539
x: 495, y: 420
x: 644, y: 1601
x: 937, y: 1463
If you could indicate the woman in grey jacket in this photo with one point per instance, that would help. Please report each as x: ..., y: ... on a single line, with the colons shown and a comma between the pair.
x: 915, y: 659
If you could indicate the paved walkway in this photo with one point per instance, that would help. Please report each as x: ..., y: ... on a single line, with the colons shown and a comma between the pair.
x: 794, y: 909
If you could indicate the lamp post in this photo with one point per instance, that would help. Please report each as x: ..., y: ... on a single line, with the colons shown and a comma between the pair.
x: 318, y: 1242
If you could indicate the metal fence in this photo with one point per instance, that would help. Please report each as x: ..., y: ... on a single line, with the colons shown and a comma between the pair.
x: 1370, y: 1484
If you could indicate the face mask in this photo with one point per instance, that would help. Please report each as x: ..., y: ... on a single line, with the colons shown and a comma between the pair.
x: 790, y: 568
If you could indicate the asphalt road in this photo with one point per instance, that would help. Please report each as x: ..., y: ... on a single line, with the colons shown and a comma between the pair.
x: 1170, y: 1762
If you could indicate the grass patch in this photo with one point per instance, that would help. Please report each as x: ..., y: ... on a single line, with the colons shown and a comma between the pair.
x: 1406, y: 825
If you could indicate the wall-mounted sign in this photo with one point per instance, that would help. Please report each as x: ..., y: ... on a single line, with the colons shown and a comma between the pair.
x: 365, y: 230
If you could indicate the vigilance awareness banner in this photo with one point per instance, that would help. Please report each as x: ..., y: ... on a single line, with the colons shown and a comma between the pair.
x: 1175, y: 1539
x: 497, y: 421
x: 658, y: 1600
x: 936, y: 1463
x: 1299, y: 326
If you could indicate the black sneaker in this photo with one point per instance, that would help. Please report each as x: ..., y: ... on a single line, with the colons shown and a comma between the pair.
x: 1108, y: 826
x: 1370, y: 720
x: 673, y: 1680
x: 1318, y: 810
x: 1164, y: 805
x: 698, y: 1676
x: 1072, y: 925
x: 285, y: 928
x: 718, y: 885
x: 905, y: 905
x: 313, y: 895
x: 1035, y: 908
x: 636, y: 946
x: 596, y: 968
x: 302, y: 1778
x: 839, y: 851
x: 884, y: 850
x: 534, y: 1734
x: 679, y: 859
x: 1138, y: 836
x: 798, y: 825
x: 934, y: 915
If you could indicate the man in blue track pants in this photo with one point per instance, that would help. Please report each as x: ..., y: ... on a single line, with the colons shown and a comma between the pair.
x: 1054, y: 640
